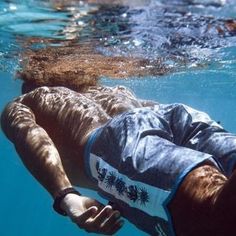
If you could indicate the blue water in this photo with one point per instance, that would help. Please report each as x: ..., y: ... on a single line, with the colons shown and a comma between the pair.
x: 25, y: 205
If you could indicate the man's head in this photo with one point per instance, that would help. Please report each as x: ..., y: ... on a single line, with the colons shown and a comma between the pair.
x: 77, y: 67
x: 54, y: 67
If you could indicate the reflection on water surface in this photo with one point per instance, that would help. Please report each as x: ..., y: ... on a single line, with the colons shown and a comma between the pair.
x: 163, y: 35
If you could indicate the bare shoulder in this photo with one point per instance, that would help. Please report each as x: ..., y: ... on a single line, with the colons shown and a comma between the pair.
x: 49, y: 99
x: 113, y: 100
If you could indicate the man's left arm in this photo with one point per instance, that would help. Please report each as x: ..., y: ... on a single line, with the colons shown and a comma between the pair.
x: 35, y: 147
x: 42, y: 159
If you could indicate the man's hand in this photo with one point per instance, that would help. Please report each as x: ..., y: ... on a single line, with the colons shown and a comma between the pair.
x: 91, y: 215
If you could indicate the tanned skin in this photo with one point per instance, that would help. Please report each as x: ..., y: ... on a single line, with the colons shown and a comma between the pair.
x: 49, y: 128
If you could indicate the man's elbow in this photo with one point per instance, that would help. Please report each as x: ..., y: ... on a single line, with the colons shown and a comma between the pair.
x: 15, y: 118
x: 5, y: 120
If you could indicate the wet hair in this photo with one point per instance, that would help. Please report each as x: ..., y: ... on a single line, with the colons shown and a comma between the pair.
x: 53, y: 67
x: 77, y: 67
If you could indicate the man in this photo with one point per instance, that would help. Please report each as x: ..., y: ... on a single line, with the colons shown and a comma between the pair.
x: 169, y: 169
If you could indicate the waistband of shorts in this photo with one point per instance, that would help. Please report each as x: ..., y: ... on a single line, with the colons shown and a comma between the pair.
x: 87, y: 151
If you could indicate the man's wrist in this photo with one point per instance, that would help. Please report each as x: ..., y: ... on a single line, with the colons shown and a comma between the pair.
x: 59, y: 198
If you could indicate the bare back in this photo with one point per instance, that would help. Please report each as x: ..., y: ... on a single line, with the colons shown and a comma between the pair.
x: 68, y: 118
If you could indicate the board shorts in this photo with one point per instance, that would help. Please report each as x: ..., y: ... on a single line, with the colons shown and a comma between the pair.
x: 139, y: 159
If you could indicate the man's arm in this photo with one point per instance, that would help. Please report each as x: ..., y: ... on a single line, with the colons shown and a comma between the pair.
x: 42, y: 159
x: 35, y: 147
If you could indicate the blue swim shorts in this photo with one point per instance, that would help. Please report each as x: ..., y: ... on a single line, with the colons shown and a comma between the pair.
x: 140, y: 157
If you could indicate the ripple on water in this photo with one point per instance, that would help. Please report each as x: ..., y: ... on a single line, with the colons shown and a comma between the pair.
x: 189, y: 32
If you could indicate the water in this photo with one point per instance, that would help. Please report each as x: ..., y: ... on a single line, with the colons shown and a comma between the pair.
x: 186, y: 36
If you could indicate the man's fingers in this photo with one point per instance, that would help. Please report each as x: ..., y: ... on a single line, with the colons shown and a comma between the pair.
x: 104, y: 214
x: 115, y: 227
x: 112, y: 224
x: 106, y: 221
x: 81, y: 220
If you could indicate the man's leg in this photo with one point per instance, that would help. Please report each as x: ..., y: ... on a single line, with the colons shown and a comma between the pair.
x: 193, y: 208
x: 205, y: 203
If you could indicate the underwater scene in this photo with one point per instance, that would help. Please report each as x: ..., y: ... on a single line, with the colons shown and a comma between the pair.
x: 168, y: 51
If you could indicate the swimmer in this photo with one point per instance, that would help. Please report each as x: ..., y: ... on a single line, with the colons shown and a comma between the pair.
x: 167, y: 168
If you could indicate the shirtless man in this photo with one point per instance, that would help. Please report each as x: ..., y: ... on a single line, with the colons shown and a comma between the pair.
x: 166, y: 168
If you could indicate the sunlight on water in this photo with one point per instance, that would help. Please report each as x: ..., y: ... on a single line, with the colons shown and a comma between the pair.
x: 177, y: 32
